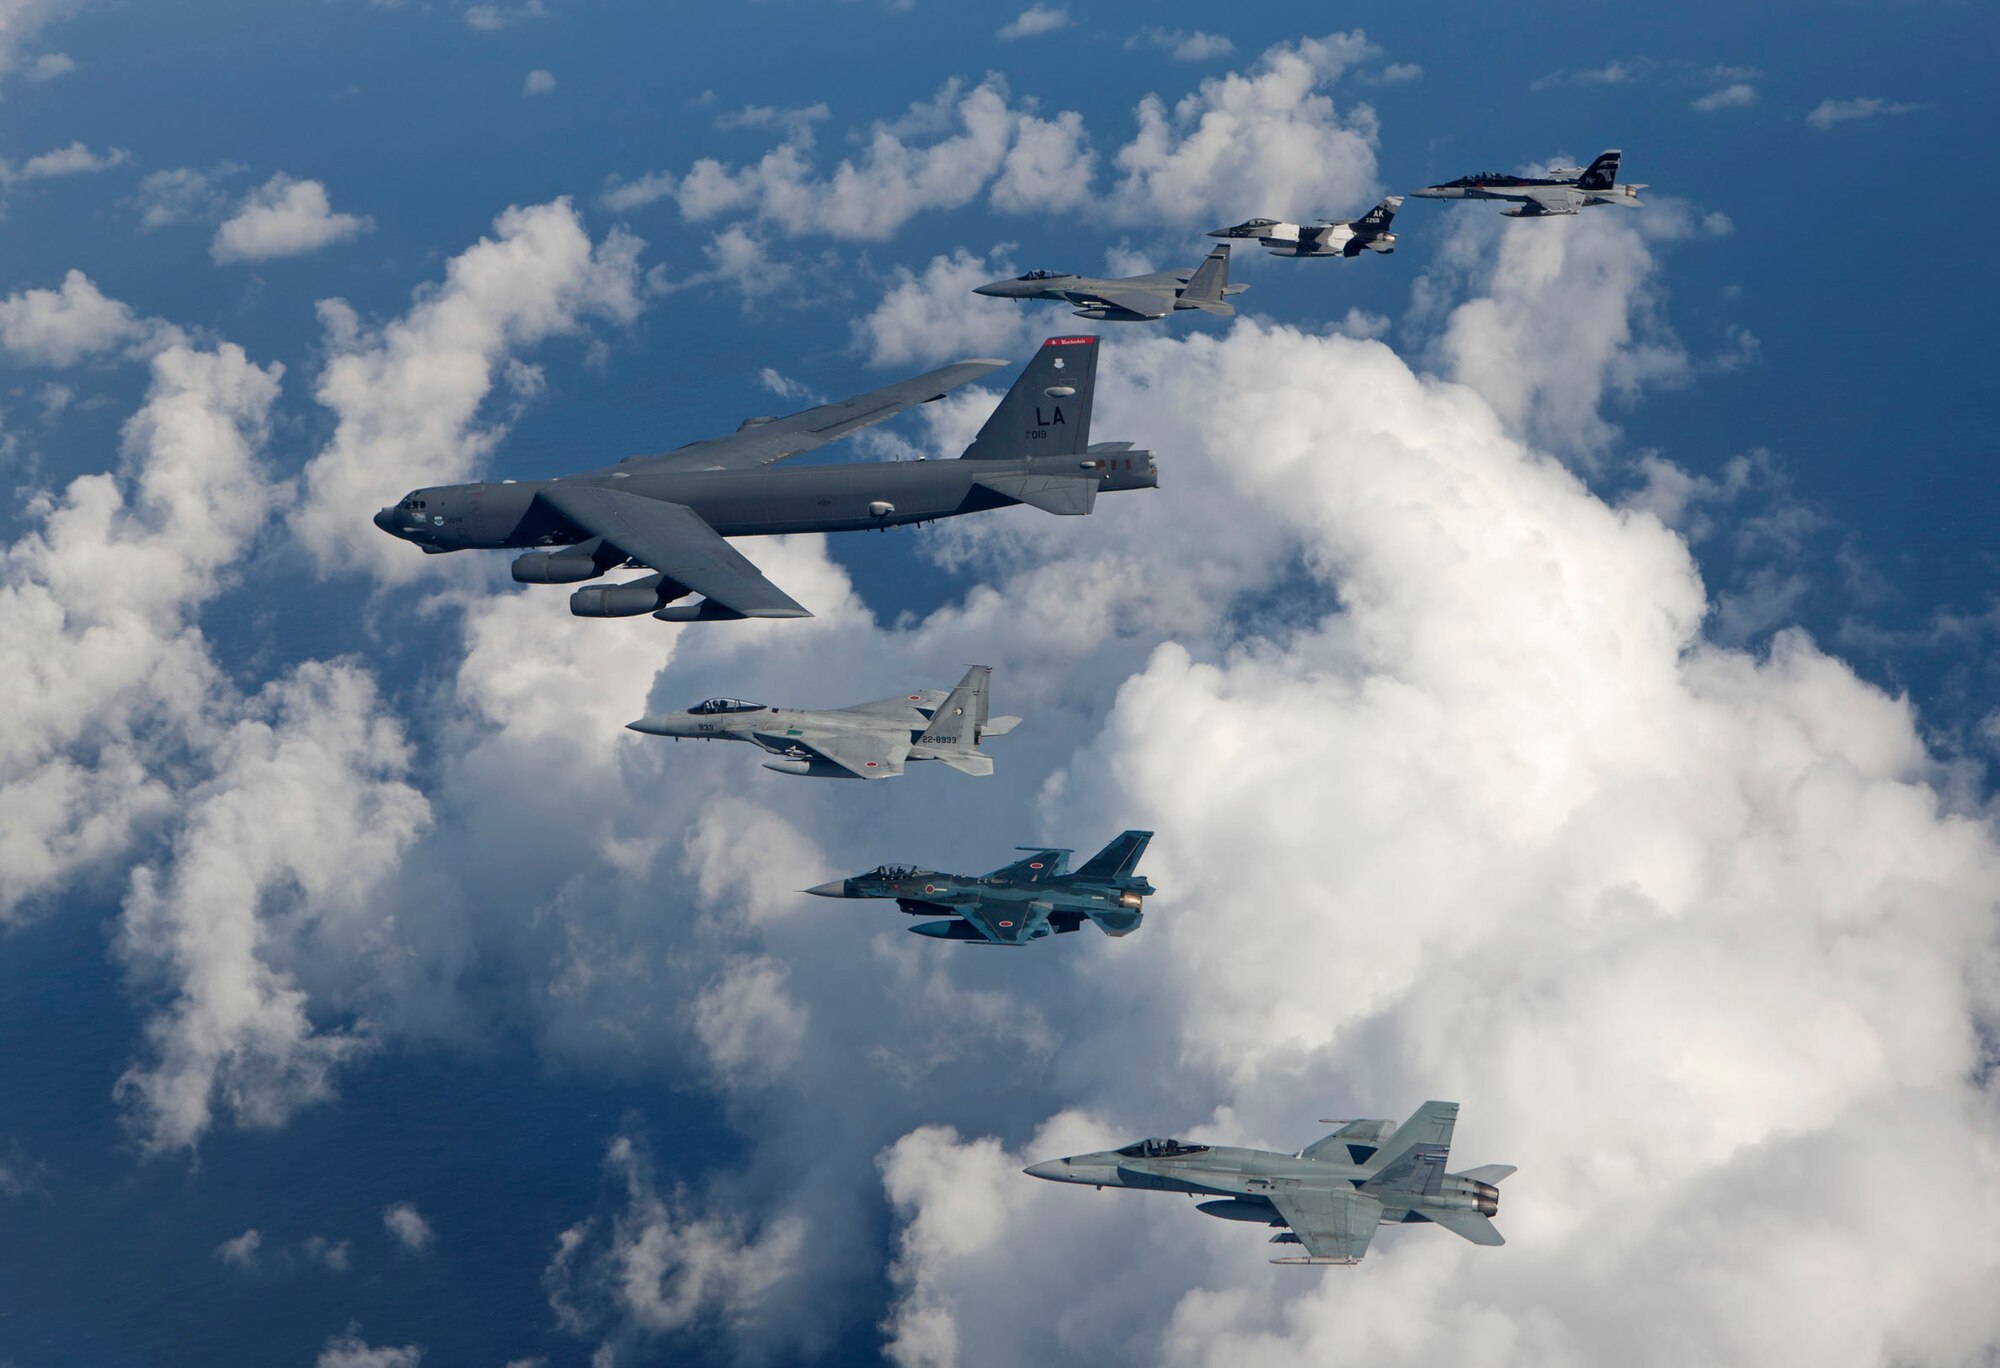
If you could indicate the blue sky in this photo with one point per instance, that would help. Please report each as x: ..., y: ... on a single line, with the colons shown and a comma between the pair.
x: 1623, y: 584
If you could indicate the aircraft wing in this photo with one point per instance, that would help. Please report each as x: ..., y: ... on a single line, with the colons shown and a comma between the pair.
x: 672, y: 539
x: 902, y: 706
x: 1332, y: 1223
x: 1151, y: 303
x: 761, y: 441
x: 1005, y: 923
x: 863, y: 756
x: 1035, y: 866
x: 1546, y: 199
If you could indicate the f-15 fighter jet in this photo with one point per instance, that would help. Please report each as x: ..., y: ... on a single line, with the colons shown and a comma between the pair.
x: 1328, y: 237
x: 1031, y: 899
x: 1333, y: 1193
x: 866, y: 741
x: 1564, y: 190
x: 671, y: 513
x: 1134, y: 299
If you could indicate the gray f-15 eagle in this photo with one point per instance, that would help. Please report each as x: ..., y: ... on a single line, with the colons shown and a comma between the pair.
x: 1333, y: 1193
x: 1328, y: 237
x: 866, y: 741
x: 1564, y: 190
x: 1134, y: 299
x: 1035, y: 897
x: 672, y: 513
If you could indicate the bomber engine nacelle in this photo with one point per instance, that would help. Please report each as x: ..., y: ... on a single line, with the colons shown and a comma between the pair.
x: 554, y: 567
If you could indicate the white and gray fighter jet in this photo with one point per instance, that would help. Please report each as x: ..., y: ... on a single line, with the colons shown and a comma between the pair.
x: 1134, y: 299
x: 1564, y: 190
x: 1333, y: 1193
x: 1327, y: 237
x: 866, y: 741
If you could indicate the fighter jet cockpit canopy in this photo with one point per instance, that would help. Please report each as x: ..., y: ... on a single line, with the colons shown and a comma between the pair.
x: 1161, y: 1149
x: 897, y: 872
x: 725, y: 705
x: 1042, y: 275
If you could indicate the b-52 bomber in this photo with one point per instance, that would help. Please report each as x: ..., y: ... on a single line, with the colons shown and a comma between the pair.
x: 1035, y: 897
x: 1564, y: 190
x: 1332, y: 1194
x: 672, y: 513
x: 1133, y: 299
x: 1328, y: 237
x: 866, y: 741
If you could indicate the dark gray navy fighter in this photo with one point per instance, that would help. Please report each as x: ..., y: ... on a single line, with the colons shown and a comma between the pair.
x: 1333, y: 1193
x: 866, y: 741
x: 1564, y: 190
x: 1133, y: 299
x: 1328, y: 237
x: 1031, y: 899
x: 671, y: 513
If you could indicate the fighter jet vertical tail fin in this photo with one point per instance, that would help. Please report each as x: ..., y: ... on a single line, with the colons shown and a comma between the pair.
x: 1412, y: 1158
x: 959, y: 719
x: 1047, y: 413
x: 1117, y: 860
x: 1380, y: 216
x: 1602, y: 173
x: 1209, y: 283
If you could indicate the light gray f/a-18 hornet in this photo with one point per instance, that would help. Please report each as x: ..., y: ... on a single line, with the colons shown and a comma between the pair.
x: 1564, y: 190
x: 1133, y: 299
x: 672, y: 513
x: 866, y: 741
x: 1327, y: 237
x: 1029, y: 900
x: 1333, y: 1193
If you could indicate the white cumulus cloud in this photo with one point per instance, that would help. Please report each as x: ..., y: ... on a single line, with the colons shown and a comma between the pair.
x: 539, y: 82
x: 281, y: 218
x: 1827, y: 113
x: 1737, y: 95
x: 1034, y: 21
x: 408, y: 1225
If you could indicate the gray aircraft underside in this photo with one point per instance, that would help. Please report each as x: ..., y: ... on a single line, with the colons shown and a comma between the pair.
x: 671, y: 513
x: 1565, y: 190
x: 1327, y: 237
x: 1132, y: 299
x: 1034, y: 898
x: 1332, y: 1194
x: 866, y: 741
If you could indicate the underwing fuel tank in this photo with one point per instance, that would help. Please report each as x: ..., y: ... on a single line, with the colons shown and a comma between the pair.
x: 619, y: 600
x: 956, y: 929
x: 1240, y: 1209
x: 542, y: 567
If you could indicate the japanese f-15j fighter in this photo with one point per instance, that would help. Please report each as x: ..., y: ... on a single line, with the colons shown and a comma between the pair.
x: 671, y: 514
x: 1134, y: 299
x: 1332, y: 1194
x: 866, y: 741
x: 1035, y: 897
x: 1328, y: 237
x: 1564, y: 190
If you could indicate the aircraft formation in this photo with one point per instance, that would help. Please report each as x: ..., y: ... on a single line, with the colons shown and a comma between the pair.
x: 672, y: 515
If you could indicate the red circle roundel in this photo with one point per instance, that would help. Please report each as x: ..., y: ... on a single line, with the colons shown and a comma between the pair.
x: 1006, y: 923
x: 1034, y: 864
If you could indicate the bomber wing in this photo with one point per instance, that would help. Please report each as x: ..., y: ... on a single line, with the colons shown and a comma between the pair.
x: 860, y: 754
x: 760, y: 441
x: 672, y: 539
x: 1152, y: 303
x: 1332, y: 1223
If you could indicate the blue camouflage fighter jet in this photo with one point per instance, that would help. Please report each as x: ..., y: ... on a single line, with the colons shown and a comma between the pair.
x: 1035, y: 897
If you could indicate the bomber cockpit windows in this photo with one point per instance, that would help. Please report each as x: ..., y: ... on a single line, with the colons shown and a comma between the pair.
x: 1160, y: 1149
x: 725, y: 705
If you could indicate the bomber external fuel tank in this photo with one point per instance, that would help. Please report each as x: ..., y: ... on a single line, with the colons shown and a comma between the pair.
x: 620, y: 600
x: 545, y: 567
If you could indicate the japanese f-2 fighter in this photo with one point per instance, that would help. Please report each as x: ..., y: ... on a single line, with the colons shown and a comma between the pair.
x: 1035, y: 897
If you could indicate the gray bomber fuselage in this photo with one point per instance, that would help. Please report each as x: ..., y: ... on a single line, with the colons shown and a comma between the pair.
x: 745, y: 503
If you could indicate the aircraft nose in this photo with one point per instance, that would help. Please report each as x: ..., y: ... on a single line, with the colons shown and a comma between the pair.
x: 832, y: 888
x: 1055, y: 1170
x: 993, y: 290
x: 385, y: 518
x: 657, y: 724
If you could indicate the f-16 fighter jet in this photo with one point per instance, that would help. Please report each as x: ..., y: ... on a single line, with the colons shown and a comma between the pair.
x: 1031, y: 899
x: 671, y: 513
x: 866, y: 741
x: 1563, y: 191
x: 1329, y: 237
x: 1333, y: 1193
x: 1134, y: 299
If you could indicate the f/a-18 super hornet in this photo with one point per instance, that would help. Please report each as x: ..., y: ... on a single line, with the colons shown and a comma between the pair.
x: 1134, y: 299
x: 866, y: 741
x: 1327, y: 237
x: 1564, y: 190
x: 1035, y: 897
x: 1333, y: 1193
x: 671, y: 513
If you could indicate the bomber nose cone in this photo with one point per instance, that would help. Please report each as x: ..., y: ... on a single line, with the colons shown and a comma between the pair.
x: 385, y: 518
x: 1055, y: 1170
x: 832, y: 888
